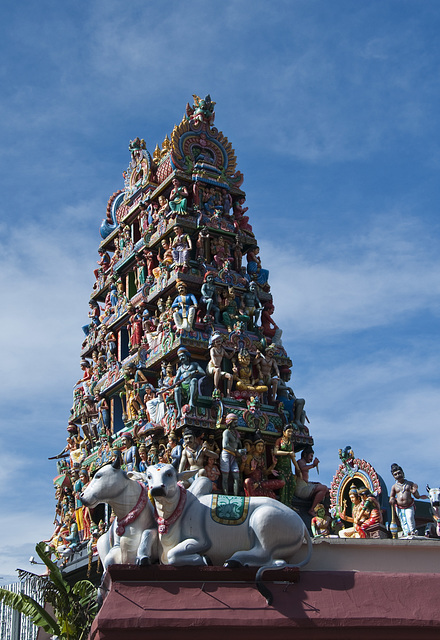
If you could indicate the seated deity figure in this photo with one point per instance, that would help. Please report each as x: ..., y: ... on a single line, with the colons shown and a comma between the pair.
x: 163, y: 207
x: 243, y: 375
x: 305, y: 489
x: 178, y: 198
x: 355, y: 518
x: 184, y: 306
x: 194, y: 454
x: 321, y: 522
x: 254, y: 268
x: 257, y: 482
x: 293, y: 405
x: 370, y: 513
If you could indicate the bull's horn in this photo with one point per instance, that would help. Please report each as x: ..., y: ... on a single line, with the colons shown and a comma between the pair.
x: 428, y: 488
x: 116, y: 464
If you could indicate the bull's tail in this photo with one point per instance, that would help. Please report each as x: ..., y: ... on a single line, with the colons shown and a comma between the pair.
x: 281, y: 564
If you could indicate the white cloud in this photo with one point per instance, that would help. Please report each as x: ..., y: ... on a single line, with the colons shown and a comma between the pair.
x: 366, y: 280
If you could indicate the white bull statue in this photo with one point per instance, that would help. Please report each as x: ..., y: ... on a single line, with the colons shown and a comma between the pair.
x: 132, y: 537
x: 210, y: 529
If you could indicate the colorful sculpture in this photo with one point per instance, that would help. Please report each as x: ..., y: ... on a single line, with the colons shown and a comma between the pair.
x: 231, y: 450
x: 305, y: 489
x: 257, y: 482
x: 285, y: 456
x: 217, y: 352
x: 402, y: 496
x: 145, y: 321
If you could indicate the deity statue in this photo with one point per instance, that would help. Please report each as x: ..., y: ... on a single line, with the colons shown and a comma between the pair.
x: 220, y: 251
x: 178, y: 198
x: 193, y: 454
x: 217, y: 352
x: 209, y: 297
x: 174, y: 449
x: 163, y: 207
x: 257, y: 472
x: 135, y: 328
x: 269, y: 373
x: 181, y: 247
x: 402, y: 496
x: 184, y: 306
x: 231, y: 452
x: 321, y: 522
x: 130, y: 453
x: 203, y: 245
x: 356, y: 508
x: 241, y: 221
x: 103, y: 263
x: 186, y: 379
x: 285, y: 455
x: 254, y: 267
x: 243, y: 375
x: 231, y: 312
x: 309, y: 490
x: 293, y: 405
x: 252, y: 304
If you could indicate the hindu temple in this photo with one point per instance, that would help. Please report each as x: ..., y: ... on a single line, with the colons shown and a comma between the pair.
x: 182, y: 364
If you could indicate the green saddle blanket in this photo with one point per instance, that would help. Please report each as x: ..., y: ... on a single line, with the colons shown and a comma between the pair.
x: 229, y: 510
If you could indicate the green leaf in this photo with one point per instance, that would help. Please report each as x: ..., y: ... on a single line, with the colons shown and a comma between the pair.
x: 87, y: 593
x: 30, y: 607
x: 55, y: 572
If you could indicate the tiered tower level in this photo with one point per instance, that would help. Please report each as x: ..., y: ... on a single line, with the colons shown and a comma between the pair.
x: 181, y: 333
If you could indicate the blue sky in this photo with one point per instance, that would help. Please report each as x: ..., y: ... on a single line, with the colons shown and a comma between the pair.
x: 332, y: 108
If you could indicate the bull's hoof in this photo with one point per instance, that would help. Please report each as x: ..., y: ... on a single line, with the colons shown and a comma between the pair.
x: 232, y: 564
x: 207, y: 561
x: 143, y: 562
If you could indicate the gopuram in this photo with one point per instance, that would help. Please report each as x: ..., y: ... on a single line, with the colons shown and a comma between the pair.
x: 188, y: 454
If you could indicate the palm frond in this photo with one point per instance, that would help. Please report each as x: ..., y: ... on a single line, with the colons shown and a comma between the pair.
x: 31, y: 608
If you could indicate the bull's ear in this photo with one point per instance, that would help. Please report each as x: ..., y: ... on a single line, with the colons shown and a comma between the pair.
x: 184, y: 475
x: 116, y: 464
x: 137, y: 475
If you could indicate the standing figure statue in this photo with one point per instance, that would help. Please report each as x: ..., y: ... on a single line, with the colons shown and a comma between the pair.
x: 252, y: 304
x: 203, y: 243
x: 217, y: 352
x: 186, y: 379
x: 269, y: 372
x: 184, y: 306
x: 181, y: 247
x: 285, y: 454
x: 209, y: 297
x: 231, y: 312
x: 231, y: 451
x: 402, y: 496
x: 178, y: 198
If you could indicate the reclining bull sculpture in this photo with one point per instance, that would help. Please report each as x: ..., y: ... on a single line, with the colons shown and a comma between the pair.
x: 180, y: 527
